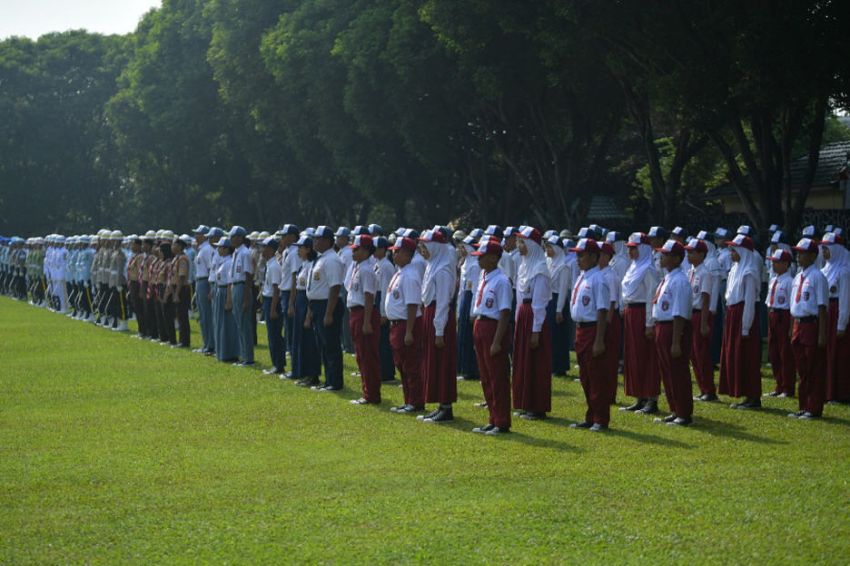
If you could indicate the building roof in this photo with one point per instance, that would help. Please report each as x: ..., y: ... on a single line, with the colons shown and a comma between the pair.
x: 605, y: 208
x: 832, y: 157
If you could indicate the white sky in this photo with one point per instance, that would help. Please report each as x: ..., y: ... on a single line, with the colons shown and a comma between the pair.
x: 33, y: 18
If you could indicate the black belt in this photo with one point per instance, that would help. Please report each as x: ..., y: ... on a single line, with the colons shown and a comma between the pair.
x: 807, y: 319
x: 833, y: 299
x: 394, y: 322
x: 586, y: 324
x: 235, y: 283
x: 222, y: 286
x: 486, y: 318
x: 635, y: 305
x: 696, y: 310
x: 663, y: 322
x: 526, y: 301
x: 779, y: 310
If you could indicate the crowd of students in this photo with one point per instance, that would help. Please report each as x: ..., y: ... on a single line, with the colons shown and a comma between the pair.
x: 503, y: 306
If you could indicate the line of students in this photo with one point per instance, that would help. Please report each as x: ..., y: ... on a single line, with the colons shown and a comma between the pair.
x: 502, y: 305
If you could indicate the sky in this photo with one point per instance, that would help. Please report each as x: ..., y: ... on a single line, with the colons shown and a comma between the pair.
x: 33, y: 18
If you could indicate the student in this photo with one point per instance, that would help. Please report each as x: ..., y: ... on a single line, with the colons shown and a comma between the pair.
x: 324, y: 290
x: 203, y: 263
x: 306, y: 361
x: 491, y: 311
x: 224, y: 325
x: 809, y: 299
x: 614, y: 323
x: 532, y: 350
x: 557, y: 311
x: 640, y: 369
x: 290, y: 262
x: 589, y: 304
x: 467, y: 368
x: 837, y: 271
x: 384, y: 270
x: 402, y: 306
x: 241, y: 295
x: 671, y: 311
x: 181, y: 290
x: 704, y: 285
x: 365, y: 318
x: 273, y: 306
x: 778, y: 303
x: 740, y: 364
x: 439, y: 331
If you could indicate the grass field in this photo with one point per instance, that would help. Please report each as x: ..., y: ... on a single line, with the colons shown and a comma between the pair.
x: 114, y: 450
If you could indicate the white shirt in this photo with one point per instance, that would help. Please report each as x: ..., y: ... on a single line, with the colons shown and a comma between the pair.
x: 363, y: 280
x: 493, y: 295
x: 614, y: 284
x: 642, y: 294
x: 724, y: 259
x: 809, y: 292
x: 215, y: 263
x: 328, y: 271
x: 384, y: 270
x: 222, y: 274
x: 748, y: 293
x: 203, y: 260
x: 290, y: 264
x: 272, y: 278
x: 241, y: 264
x: 673, y: 298
x: 590, y: 295
x: 540, y: 292
x: 561, y: 285
x: 405, y: 289
x: 702, y: 280
x: 779, y: 292
x: 303, y: 275
x: 441, y: 292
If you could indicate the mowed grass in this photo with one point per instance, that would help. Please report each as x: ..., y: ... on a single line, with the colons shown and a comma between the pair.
x: 114, y: 450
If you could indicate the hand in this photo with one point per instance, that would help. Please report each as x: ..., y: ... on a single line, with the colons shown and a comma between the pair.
x: 535, y: 340
x: 439, y: 342
x: 495, y: 349
x: 559, y: 317
x: 291, y: 310
x: 367, y: 327
x: 650, y: 333
x: 676, y: 351
x: 328, y: 320
x: 598, y: 349
x: 704, y: 332
x: 408, y: 339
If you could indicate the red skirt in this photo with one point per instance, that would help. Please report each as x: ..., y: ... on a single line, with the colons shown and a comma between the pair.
x: 640, y: 366
x: 439, y: 365
x: 532, y: 371
x: 837, y: 359
x: 740, y: 359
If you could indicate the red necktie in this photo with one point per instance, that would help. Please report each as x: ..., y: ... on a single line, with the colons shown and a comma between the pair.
x: 773, y: 290
x: 392, y: 281
x: 481, y: 289
x: 658, y: 290
x: 800, y: 287
x: 577, y: 287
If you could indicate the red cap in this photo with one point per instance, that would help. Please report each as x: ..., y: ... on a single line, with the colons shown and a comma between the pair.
x: 697, y: 246
x: 672, y: 247
x: 404, y: 244
x: 433, y: 236
x: 806, y: 245
x: 489, y: 246
x: 363, y: 240
x: 741, y: 241
x: 781, y: 255
x: 586, y: 245
x: 529, y: 233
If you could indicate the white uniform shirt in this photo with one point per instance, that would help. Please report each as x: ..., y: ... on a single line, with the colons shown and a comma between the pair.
x: 405, y: 289
x: 204, y: 260
x: 642, y: 294
x: 384, y: 270
x: 303, y: 275
x: 493, y: 295
x: 809, y: 292
x: 540, y: 292
x: 779, y: 292
x: 673, y: 298
x: 328, y: 271
x: 290, y: 264
x: 363, y: 280
x: 702, y: 280
x: 747, y: 293
x: 614, y: 284
x: 590, y: 295
x: 441, y: 292
x: 241, y: 264
x: 222, y: 274
x: 272, y: 277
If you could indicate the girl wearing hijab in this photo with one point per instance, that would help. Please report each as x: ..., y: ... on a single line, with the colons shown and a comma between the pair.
x: 226, y: 340
x: 467, y: 366
x: 837, y: 272
x: 557, y: 311
x: 740, y: 358
x: 640, y: 368
x: 532, y: 369
x: 439, y: 359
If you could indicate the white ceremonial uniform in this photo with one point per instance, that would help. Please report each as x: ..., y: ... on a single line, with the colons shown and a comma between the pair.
x: 590, y: 295
x: 674, y: 297
x: 809, y: 292
x: 363, y: 280
x: 405, y: 289
x: 493, y: 295
x: 328, y: 271
x: 273, y: 277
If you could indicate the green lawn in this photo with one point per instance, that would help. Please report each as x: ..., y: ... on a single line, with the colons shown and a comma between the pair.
x: 114, y: 450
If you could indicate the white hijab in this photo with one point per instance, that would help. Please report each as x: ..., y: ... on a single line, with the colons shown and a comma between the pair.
x: 620, y: 263
x: 638, y: 269
x: 532, y: 264
x: 442, y: 258
x: 748, y: 264
x: 838, y: 262
x: 556, y: 263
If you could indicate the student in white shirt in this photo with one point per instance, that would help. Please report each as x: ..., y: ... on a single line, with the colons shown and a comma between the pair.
x: 203, y: 263
x: 614, y: 325
x: 384, y: 270
x: 241, y: 285
x: 273, y: 306
x: 704, y: 285
x: 837, y: 272
x: 306, y: 361
x: 365, y: 318
x: 324, y: 290
x: 467, y: 368
x: 778, y: 303
x: 226, y: 338
x: 557, y: 311
x: 290, y: 263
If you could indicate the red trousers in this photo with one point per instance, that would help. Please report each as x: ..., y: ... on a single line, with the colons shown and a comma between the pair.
x: 779, y: 351
x: 439, y: 365
x: 701, y: 353
x: 740, y: 358
x: 837, y: 359
x: 366, y: 352
x: 811, y: 366
x: 640, y: 368
x: 532, y: 371
x: 595, y: 373
x: 408, y: 361
x: 675, y: 372
x: 494, y: 370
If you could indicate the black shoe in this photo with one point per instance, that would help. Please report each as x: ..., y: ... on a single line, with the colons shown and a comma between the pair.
x: 530, y: 416
x: 636, y: 406
x: 482, y: 404
x: 748, y: 405
x: 484, y: 428
x: 442, y: 416
x: 668, y: 419
x: 495, y: 431
x: 409, y: 409
x: 598, y: 427
x: 680, y: 422
x: 807, y: 416
x: 709, y: 397
x: 398, y: 409
x: 428, y: 415
x: 796, y: 415
x: 649, y: 408
x: 518, y: 413
x: 581, y: 425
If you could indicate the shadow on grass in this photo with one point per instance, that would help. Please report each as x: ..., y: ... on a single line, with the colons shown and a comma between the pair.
x: 627, y: 434
x: 730, y: 430
x: 465, y: 426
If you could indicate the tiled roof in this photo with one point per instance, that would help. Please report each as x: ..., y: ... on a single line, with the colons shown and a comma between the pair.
x: 605, y: 208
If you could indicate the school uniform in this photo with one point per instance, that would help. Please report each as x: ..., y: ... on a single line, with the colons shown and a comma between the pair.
x: 384, y: 271
x: 837, y: 273
x: 364, y: 281
x: 241, y: 266
x: 328, y: 271
x: 809, y: 292
x: 493, y: 296
x: 702, y: 282
x: 560, y: 276
x: 180, y: 267
x: 203, y: 263
x: 674, y: 299
x: 290, y: 264
x: 134, y: 278
x: 272, y: 280
x: 346, y: 340
x: 779, y: 350
x: 405, y: 289
x: 640, y: 367
x: 226, y: 335
x: 306, y: 361
x: 590, y: 295
x: 614, y: 328
x: 467, y: 366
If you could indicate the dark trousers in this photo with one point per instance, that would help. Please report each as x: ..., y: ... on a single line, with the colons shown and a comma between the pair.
x: 169, y: 313
x: 467, y: 365
x: 274, y: 327
x: 305, y: 348
x: 138, y: 306
x: 182, y: 313
x: 287, y: 321
x: 385, y: 350
x: 329, y: 337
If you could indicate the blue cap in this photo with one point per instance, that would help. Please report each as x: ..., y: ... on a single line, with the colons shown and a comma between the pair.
x: 358, y: 231
x: 613, y: 236
x: 512, y: 231
x: 201, y: 229
x: 400, y: 231
x: 343, y: 232
x: 681, y: 232
x: 376, y: 230
x: 746, y: 230
x: 237, y: 231
x: 494, y: 230
x: 305, y: 241
x: 470, y: 241
x: 224, y: 242
x: 658, y: 232
x: 215, y: 232
x: 555, y: 240
x: 323, y: 232
x: 288, y: 230
x: 705, y: 236
x: 411, y: 233
x: 382, y: 242
x: 271, y: 241
x: 477, y: 233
